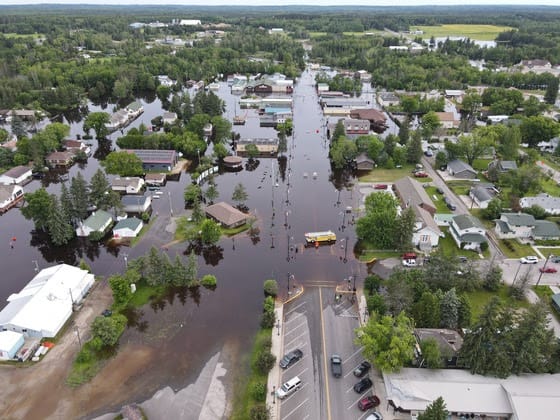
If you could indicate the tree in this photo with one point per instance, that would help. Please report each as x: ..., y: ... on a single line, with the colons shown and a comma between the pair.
x: 551, y: 90
x: 38, y: 207
x: 522, y: 180
x: 192, y: 268
x: 239, y: 194
x: 387, y: 341
x: 404, y: 229
x: 210, y: 232
x: 221, y: 129
x: 536, y: 211
x: 80, y: 199
x: 378, y: 225
x: 220, y: 151
x: 192, y: 193
x: 470, y: 108
x: 414, y: 148
x: 123, y: 164
x: 493, y: 278
x: 493, y: 210
x: 435, y: 411
x: 197, y: 214
x: 208, y: 281
x: 431, y: 354
x: 400, y: 293
x: 100, y: 193
x: 508, y: 142
x: 109, y: 329
x: 211, y: 192
x: 60, y: 230
x: 163, y: 92
x: 441, y: 159
x: 464, y: 313
x: 252, y: 151
x: 376, y: 303
x: 120, y: 288
x: 449, y: 310
x: 339, y: 131
x: 430, y: 123
x: 97, y: 121
x: 473, y: 146
x: 404, y: 132
x: 270, y: 287
x: 426, y: 311
x: 343, y: 152
x: 537, y: 129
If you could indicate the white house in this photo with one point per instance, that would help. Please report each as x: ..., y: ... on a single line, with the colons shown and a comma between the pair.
x: 426, y: 232
x: 99, y: 221
x: 189, y: 22
x: 482, y: 194
x: 165, y: 80
x: 10, y: 343
x: 549, y: 203
x: 448, y: 120
x: 128, y: 185
x: 17, y: 175
x: 169, y: 117
x: 76, y: 146
x: 44, y: 305
x: 9, y: 196
x: 467, y: 231
x: 515, y: 225
x: 128, y: 228
x: 134, y: 109
x: 549, y: 146
x: 136, y: 203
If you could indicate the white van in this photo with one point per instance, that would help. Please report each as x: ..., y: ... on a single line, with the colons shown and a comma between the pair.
x: 288, y: 388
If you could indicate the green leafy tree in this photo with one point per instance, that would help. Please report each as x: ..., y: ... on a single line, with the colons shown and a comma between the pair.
x: 522, y: 180
x: 97, y: 121
x: 464, y: 313
x: 339, y: 131
x: 472, y: 147
x: 426, y: 311
x: 123, y: 164
x: 376, y: 303
x: 537, y: 129
x: 163, y: 92
x: 400, y: 291
x: 414, y: 148
x: 441, y: 272
x: 60, y: 230
x: 221, y: 129
x: 192, y: 193
x: 508, y: 142
x: 208, y: 281
x: 343, y: 152
x: 270, y: 287
x: 109, y: 329
x: 100, y: 193
x: 431, y: 354
x: 493, y: 210
x: 551, y: 90
x: 120, y: 288
x: 66, y: 204
x: 536, y: 211
x: 211, y: 193
x: 404, y: 229
x: 387, y: 341
x: 38, y: 206
x: 441, y: 159
x: 435, y: 411
x: 239, y: 194
x: 197, y: 214
x: 404, y: 132
x: 252, y: 151
x: 210, y: 232
x: 220, y: 151
x: 379, y: 223
x: 430, y: 123
x: 192, y: 268
x: 493, y: 278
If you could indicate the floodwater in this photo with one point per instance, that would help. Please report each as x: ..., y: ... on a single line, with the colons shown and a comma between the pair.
x: 288, y: 197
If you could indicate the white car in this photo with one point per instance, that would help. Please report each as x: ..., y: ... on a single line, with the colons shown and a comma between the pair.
x: 375, y: 416
x: 531, y: 259
x: 409, y: 263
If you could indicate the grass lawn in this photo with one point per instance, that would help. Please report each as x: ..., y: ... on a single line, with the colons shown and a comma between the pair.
x: 449, y: 247
x: 549, y: 250
x: 478, y: 32
x: 316, y: 34
x: 14, y: 35
x: 481, y: 164
x: 460, y: 187
x: 550, y: 161
x: 437, y: 198
x: 488, y: 224
x: 514, y: 249
x: 390, y: 175
x: 480, y: 298
x: 545, y: 295
x: 551, y: 187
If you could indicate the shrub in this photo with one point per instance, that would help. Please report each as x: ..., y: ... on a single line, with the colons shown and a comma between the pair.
x: 84, y: 356
x: 259, y: 412
x: 96, y: 236
x: 376, y: 303
x: 484, y: 246
x: 145, y: 217
x: 258, y: 391
x: 268, y: 319
x: 265, y: 361
x: 208, y: 281
x: 270, y: 288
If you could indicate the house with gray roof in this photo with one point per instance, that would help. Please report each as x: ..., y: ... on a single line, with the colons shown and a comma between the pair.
x: 556, y: 301
x: 17, y: 175
x: 448, y: 341
x: 411, y: 193
x: 467, y: 232
x: 549, y: 203
x: 136, y: 203
x: 503, y: 165
x: 482, y: 194
x: 98, y: 221
x: 545, y: 230
x: 364, y: 163
x: 514, y: 225
x: 128, y: 185
x: 426, y: 232
x: 128, y: 228
x: 459, y: 169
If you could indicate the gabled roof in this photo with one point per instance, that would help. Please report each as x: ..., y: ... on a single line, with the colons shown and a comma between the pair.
x: 134, y: 200
x: 128, y: 223
x: 519, y: 219
x: 466, y: 221
x: 17, y: 171
x: 458, y: 165
x: 97, y: 220
x: 427, y: 220
x: 412, y: 193
x: 59, y: 156
x: 476, y: 238
x: 225, y: 213
x: 124, y: 182
x: 543, y: 200
x: 508, y: 165
x: 363, y: 158
x: 481, y: 193
x: 369, y: 114
x: 504, y: 227
x: 544, y: 228
x: 134, y: 106
x: 6, y: 191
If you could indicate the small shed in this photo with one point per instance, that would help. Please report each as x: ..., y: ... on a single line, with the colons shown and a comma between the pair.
x: 227, y: 215
x: 363, y: 163
x: 233, y: 162
x: 10, y: 343
x: 155, y: 179
x: 136, y: 203
x: 128, y: 228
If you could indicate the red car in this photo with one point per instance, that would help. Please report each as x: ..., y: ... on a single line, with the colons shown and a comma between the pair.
x: 421, y: 175
x: 380, y: 186
x: 368, y: 402
x: 548, y: 270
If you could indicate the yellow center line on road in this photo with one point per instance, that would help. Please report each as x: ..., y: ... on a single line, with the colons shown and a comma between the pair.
x: 325, y: 355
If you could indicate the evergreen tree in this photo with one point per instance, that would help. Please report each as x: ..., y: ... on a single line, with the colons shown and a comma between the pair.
x: 60, y: 230
x: 449, y: 309
x: 464, y: 312
x: 197, y: 212
x: 180, y: 277
x: 404, y: 229
x: 338, y: 131
x: 211, y: 192
x: 192, y: 268
x: 78, y: 191
x: 414, y: 148
x: 435, y: 411
x: 239, y: 194
x: 154, y: 262
x: 426, y: 311
x: 100, y: 191
x: 66, y: 203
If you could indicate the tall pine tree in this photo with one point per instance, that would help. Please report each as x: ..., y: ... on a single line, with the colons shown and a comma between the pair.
x: 60, y: 230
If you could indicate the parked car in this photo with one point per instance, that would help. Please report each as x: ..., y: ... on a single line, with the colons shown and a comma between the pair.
x: 374, y: 416
x: 421, y: 175
x: 362, y: 369
x: 555, y: 259
x: 107, y: 313
x: 439, y: 190
x: 462, y: 258
x: 290, y: 358
x: 429, y: 153
x: 366, y: 403
x: 336, y: 365
x: 531, y: 259
x: 409, y: 256
x: 451, y: 206
x: 548, y: 270
x: 288, y: 388
x: 409, y: 263
x: 363, y: 385
x: 380, y: 186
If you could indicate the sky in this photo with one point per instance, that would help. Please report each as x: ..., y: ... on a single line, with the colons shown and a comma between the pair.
x: 291, y: 2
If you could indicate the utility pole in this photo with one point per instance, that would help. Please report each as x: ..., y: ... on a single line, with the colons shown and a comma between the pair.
x: 542, y: 269
x: 170, y: 206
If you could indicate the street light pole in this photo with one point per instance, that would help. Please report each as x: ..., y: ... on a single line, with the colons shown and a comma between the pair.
x: 345, y: 249
x: 289, y: 284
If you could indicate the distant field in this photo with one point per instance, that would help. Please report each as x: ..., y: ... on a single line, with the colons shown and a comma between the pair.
x: 13, y: 35
x: 319, y: 34
x: 477, y: 32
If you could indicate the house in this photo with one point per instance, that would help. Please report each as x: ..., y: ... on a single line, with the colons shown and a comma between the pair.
x: 545, y: 230
x: 227, y: 215
x: 386, y: 99
x: 376, y: 118
x: 153, y: 159
x: 364, y: 163
x: 76, y: 146
x: 134, y: 109
x: 165, y: 80
x: 448, y: 341
x: 46, y: 303
x: 10, y: 343
x: 556, y: 301
x: 136, y: 203
x: 322, y: 87
x: 549, y: 203
x: 10, y: 195
x: 549, y: 146
x: 515, y: 225
x: 190, y: 22
x: 518, y: 397
x: 117, y: 120
x: 55, y: 159
x: 426, y: 232
x: 467, y: 232
x: 128, y: 185
x: 169, y: 117
x: 482, y: 194
x: 128, y: 228
x: 363, y: 75
x: 454, y: 94
x: 503, y: 165
x: 265, y: 147
x: 345, y: 103
x: 17, y: 175
x: 447, y: 120
x: 460, y: 169
x: 99, y: 221
x: 411, y: 193
x: 154, y: 179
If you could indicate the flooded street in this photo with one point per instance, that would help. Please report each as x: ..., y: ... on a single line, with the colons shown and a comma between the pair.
x: 169, y: 342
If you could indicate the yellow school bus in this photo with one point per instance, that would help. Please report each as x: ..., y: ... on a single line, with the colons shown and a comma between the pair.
x: 320, y: 237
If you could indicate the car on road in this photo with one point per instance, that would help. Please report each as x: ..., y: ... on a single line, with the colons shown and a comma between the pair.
x: 366, y: 403
x: 362, y: 369
x: 363, y: 385
x: 336, y: 365
x: 555, y: 259
x: 421, y: 175
x: 548, y: 270
x: 288, y: 388
x: 531, y: 259
x: 374, y: 416
x: 290, y: 358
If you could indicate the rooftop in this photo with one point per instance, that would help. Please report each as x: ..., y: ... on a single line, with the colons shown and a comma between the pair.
x: 412, y: 193
x: 17, y: 171
x: 97, y: 220
x: 129, y: 222
x: 154, y: 156
x: 466, y: 221
x: 225, y: 213
x: 458, y: 165
x: 519, y: 219
x: 545, y: 228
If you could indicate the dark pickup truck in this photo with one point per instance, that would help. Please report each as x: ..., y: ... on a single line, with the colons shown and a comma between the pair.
x: 336, y: 365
